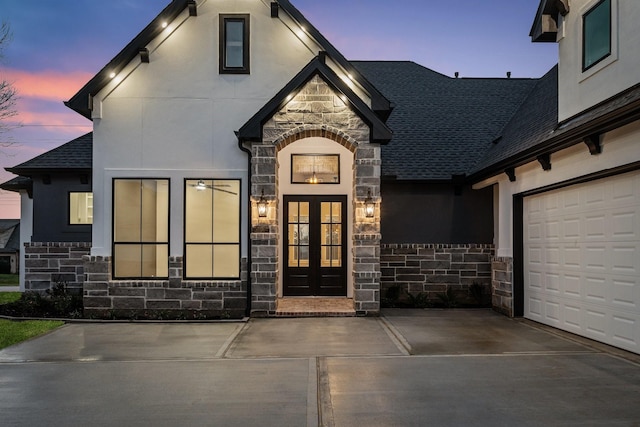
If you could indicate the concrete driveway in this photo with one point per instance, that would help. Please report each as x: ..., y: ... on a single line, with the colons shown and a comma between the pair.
x: 407, y: 368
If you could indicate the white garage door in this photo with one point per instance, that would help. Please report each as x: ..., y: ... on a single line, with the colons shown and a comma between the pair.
x: 582, y: 260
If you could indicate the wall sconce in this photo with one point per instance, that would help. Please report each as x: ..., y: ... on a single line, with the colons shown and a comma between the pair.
x: 262, y: 206
x: 201, y: 186
x: 369, y: 206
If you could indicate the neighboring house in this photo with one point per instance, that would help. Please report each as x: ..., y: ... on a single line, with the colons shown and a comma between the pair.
x: 239, y: 160
x: 9, y: 246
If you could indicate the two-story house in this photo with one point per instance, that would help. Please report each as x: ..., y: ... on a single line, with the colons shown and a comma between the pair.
x: 239, y: 162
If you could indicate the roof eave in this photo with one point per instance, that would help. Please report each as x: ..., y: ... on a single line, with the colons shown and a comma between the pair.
x: 596, y: 126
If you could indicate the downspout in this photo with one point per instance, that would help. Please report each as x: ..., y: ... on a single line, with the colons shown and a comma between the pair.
x: 249, y: 156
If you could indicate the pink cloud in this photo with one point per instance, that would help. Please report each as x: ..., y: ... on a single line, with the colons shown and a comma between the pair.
x: 48, y: 85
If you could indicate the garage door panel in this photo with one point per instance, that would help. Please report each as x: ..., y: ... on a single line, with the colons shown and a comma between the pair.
x: 625, y: 225
x: 625, y: 330
x: 624, y: 259
x: 582, y: 262
x: 573, y: 318
x: 572, y: 287
x: 625, y: 293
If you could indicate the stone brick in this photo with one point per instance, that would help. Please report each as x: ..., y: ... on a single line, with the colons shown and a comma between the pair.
x: 235, y: 303
x: 183, y: 294
x: 212, y: 305
x: 128, y: 303
x: 163, y: 304
x: 127, y: 292
x: 191, y: 305
x: 209, y: 295
x: 96, y: 302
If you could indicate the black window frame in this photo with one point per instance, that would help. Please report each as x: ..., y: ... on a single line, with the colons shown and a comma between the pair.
x: 246, y: 58
x: 185, y: 276
x: 141, y: 243
x: 586, y: 67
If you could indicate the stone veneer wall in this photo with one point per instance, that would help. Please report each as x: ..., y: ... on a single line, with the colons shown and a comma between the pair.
x: 46, y: 264
x: 316, y: 111
x: 104, y: 296
x: 502, y: 285
x: 433, y: 268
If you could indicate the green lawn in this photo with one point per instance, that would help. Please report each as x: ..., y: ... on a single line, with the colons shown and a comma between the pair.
x: 6, y: 297
x: 14, y: 332
x: 9, y: 280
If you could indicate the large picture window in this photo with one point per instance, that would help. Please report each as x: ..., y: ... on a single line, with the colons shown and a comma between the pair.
x: 140, y: 228
x: 234, y: 44
x: 212, y: 229
x: 596, y: 34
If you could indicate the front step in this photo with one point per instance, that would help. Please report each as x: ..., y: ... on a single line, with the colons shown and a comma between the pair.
x: 315, y: 307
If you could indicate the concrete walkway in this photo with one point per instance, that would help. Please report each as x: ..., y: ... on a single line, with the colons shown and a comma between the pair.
x: 407, y: 368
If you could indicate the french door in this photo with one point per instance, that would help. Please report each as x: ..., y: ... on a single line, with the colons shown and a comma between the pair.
x: 315, y: 239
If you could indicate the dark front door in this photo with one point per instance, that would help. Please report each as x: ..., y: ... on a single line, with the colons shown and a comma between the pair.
x: 315, y: 255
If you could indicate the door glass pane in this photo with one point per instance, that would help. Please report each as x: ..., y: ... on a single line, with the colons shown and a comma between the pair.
x: 304, y: 234
x: 293, y: 256
x: 304, y: 212
x: 325, y: 214
x: 325, y: 234
x: 304, y: 256
x: 293, y: 212
x: 293, y: 234
x: 336, y: 234
x: 336, y: 256
x: 336, y: 212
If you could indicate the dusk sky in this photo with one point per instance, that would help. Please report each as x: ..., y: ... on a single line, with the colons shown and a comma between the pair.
x: 59, y: 45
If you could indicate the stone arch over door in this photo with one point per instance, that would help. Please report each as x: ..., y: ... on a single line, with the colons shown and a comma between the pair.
x: 316, y: 111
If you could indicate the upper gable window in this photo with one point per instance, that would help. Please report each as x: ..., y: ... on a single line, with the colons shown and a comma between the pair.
x: 596, y: 34
x: 234, y: 44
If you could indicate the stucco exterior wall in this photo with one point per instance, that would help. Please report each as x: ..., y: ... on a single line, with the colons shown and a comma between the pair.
x: 619, y: 148
x: 175, y: 117
x: 580, y: 90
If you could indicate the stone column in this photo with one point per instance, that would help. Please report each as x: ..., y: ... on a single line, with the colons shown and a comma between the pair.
x: 264, y: 231
x: 366, y: 231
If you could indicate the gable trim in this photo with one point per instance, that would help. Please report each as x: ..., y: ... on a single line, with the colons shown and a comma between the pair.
x: 251, y: 131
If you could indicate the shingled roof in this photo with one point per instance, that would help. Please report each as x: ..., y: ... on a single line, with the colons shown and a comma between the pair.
x: 442, y: 126
x: 532, y: 124
x: 74, y: 155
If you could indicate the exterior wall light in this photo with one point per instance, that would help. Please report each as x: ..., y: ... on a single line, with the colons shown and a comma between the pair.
x: 262, y: 206
x: 369, y: 206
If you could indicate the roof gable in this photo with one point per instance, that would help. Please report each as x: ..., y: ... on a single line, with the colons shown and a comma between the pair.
x: 252, y: 129
x: 82, y: 100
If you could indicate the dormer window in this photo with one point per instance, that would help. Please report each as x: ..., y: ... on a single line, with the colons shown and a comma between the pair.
x: 596, y: 34
x: 234, y: 44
